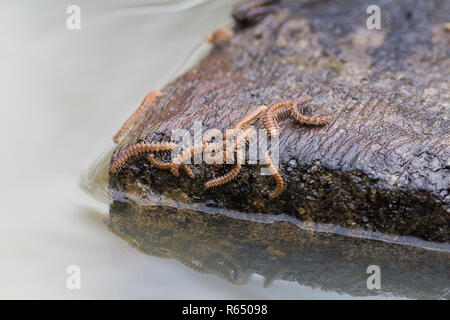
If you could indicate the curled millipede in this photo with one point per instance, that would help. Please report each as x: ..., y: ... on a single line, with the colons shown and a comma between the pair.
x: 315, y: 121
x: 138, y: 148
x: 204, y: 145
x: 175, y: 170
x: 226, y: 177
x: 188, y: 153
x: 241, y: 131
x: 235, y: 130
x: 137, y: 114
x: 159, y: 164
x: 168, y: 165
x: 249, y: 117
x: 275, y: 109
x: 277, y: 175
x: 243, y: 136
x: 221, y: 35
x: 281, y: 114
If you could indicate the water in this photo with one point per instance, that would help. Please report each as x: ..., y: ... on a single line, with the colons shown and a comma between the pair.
x: 64, y: 94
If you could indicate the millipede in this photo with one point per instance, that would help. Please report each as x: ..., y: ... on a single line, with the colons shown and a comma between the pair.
x: 225, y: 178
x: 239, y: 131
x: 136, y: 115
x: 169, y: 165
x: 188, y: 170
x: 276, y: 174
x: 276, y: 110
x: 138, y: 148
x: 199, y: 148
x: 185, y: 155
x: 249, y: 117
x: 221, y: 35
x: 239, y: 160
x: 159, y: 164
x: 315, y: 121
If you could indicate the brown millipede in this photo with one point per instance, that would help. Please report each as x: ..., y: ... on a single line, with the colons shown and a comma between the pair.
x: 139, y: 148
x: 159, y: 164
x: 278, y: 178
x: 315, y: 121
x: 137, y: 114
x: 239, y: 132
x: 221, y: 35
x: 275, y: 110
x: 250, y: 116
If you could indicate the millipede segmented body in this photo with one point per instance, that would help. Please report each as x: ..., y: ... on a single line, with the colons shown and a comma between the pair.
x: 184, y: 156
x: 138, y: 148
x: 206, y: 146
x: 281, y: 114
x: 221, y: 35
x: 315, y: 121
x: 159, y: 164
x: 249, y: 117
x: 243, y: 136
x: 136, y: 115
x: 276, y: 174
x: 276, y: 110
x: 225, y: 178
x: 188, y: 170
x: 240, y: 131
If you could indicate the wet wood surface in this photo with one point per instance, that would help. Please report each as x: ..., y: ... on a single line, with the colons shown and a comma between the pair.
x: 382, y: 164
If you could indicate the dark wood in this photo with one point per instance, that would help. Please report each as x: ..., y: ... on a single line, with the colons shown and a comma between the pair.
x: 382, y: 164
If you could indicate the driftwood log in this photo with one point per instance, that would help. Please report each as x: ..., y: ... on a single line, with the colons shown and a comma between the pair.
x: 382, y: 164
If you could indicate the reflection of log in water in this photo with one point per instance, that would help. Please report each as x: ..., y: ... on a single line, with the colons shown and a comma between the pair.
x: 234, y: 249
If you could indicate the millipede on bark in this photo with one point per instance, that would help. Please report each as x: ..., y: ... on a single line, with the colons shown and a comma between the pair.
x: 184, y: 156
x: 275, y: 110
x: 168, y: 165
x: 315, y: 121
x: 138, y: 148
x: 188, y: 170
x: 249, y: 117
x: 221, y: 35
x: 137, y: 114
x: 239, y: 132
x: 159, y: 164
x: 199, y: 148
x: 276, y: 174
x: 240, y: 158
x: 225, y: 178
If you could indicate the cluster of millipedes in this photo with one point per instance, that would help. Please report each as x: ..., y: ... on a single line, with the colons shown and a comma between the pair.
x: 217, y: 147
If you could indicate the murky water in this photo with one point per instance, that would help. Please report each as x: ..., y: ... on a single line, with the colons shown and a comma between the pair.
x: 64, y: 94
